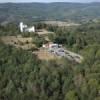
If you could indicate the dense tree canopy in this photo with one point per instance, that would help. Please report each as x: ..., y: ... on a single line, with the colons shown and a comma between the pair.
x: 24, y: 77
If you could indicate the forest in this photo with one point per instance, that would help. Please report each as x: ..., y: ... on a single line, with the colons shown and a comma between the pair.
x: 63, y: 11
x: 25, y: 77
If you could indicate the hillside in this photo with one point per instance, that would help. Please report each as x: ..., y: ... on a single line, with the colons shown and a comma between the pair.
x: 25, y: 76
x: 31, y: 69
x: 50, y: 11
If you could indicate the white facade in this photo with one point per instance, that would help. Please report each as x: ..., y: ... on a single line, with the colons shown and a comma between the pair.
x: 21, y: 26
x: 50, y: 45
x: 31, y: 29
x: 25, y: 28
x: 53, y: 46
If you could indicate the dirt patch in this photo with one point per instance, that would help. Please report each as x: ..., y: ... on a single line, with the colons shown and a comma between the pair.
x: 45, y: 55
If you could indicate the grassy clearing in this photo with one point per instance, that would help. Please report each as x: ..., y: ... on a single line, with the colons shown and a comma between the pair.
x: 18, y: 41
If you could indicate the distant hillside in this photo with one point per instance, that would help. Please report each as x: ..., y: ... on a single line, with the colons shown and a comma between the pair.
x: 50, y: 11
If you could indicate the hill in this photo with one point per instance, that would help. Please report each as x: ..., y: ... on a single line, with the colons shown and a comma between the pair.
x: 24, y: 77
x: 49, y: 11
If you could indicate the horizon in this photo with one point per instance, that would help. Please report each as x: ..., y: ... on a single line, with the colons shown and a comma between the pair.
x: 49, y: 1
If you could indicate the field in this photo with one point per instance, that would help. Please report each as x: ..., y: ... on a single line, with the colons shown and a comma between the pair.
x: 61, y: 23
x: 44, y: 32
x: 18, y: 41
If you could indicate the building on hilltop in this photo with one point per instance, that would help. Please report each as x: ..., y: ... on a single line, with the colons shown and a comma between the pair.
x: 51, y: 45
x: 31, y: 29
x: 25, y: 28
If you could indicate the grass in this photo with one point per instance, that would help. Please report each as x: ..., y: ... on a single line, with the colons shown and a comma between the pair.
x: 18, y: 41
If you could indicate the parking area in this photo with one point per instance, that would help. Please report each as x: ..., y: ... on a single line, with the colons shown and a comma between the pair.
x: 60, y: 51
